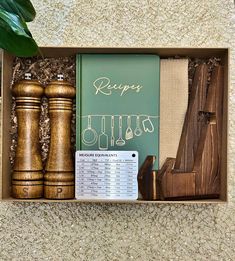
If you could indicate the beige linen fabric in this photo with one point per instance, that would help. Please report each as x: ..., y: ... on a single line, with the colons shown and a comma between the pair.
x: 173, y: 105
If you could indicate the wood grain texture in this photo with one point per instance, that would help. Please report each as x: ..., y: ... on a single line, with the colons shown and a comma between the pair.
x: 201, y: 143
x: 166, y: 168
x: 208, y: 156
x: 179, y: 185
x: 147, y: 179
x: 27, y: 178
x: 172, y: 184
x: 192, y: 127
x: 59, y: 175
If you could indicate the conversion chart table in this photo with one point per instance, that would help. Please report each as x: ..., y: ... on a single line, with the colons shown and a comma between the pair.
x: 107, y: 175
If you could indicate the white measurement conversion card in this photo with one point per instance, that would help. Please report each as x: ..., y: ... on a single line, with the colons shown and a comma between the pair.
x: 106, y: 175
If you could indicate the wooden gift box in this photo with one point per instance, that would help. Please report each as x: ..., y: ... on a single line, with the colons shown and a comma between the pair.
x: 7, y: 62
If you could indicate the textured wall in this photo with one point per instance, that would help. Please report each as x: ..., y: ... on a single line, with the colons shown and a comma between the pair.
x: 124, y: 232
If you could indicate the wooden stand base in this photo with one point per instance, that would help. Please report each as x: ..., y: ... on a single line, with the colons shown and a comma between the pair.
x: 147, y: 179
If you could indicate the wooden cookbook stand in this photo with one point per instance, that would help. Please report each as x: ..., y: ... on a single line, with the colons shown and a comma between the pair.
x: 195, y: 173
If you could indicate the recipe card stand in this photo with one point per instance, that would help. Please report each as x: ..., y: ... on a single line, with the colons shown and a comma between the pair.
x: 195, y: 173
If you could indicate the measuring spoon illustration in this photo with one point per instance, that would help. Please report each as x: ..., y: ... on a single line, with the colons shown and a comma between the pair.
x: 112, y: 132
x: 148, y: 125
x: 103, y: 138
x: 89, y: 135
x: 120, y: 141
x: 138, y: 130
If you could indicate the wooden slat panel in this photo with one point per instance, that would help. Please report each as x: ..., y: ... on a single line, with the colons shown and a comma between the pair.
x: 192, y: 126
x: 208, y: 157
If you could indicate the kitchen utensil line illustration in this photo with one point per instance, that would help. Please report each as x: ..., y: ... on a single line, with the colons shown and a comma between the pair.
x: 103, y: 137
x: 138, y: 131
x: 89, y: 133
x: 112, y: 132
x: 129, y: 132
x: 123, y: 115
x: 148, y: 125
x: 120, y: 141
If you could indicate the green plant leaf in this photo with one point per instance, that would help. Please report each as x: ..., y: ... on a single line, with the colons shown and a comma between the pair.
x: 23, y: 8
x: 15, y: 36
x: 17, y: 25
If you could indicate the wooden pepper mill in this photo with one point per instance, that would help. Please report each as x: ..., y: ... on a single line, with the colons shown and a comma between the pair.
x: 27, y: 178
x: 59, y: 175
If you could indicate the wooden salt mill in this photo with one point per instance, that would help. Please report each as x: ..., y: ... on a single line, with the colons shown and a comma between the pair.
x: 27, y: 178
x: 59, y: 175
